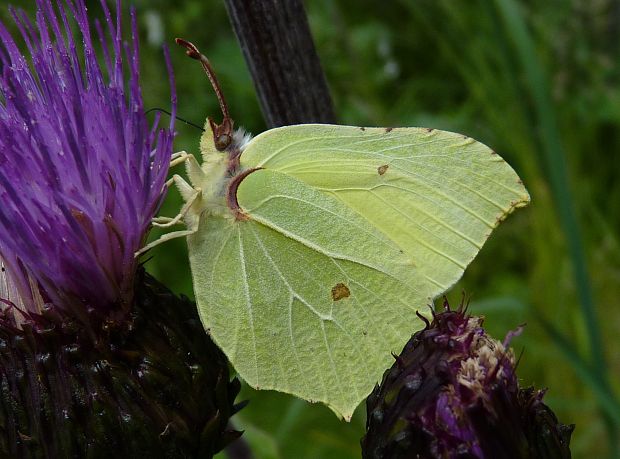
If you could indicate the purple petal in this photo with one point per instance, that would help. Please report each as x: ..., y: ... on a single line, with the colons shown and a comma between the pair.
x: 81, y: 170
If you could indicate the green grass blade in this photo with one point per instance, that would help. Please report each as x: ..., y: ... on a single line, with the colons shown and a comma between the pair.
x: 553, y: 156
x: 601, y: 390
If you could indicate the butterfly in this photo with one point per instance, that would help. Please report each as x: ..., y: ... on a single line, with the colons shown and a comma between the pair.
x: 314, y: 247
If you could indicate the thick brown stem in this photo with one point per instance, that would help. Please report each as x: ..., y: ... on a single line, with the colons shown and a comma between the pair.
x: 278, y: 47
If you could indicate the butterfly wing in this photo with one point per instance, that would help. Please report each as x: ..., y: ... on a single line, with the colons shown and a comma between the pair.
x: 348, y: 233
x: 436, y: 194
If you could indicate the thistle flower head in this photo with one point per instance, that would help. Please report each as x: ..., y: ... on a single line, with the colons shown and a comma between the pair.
x: 81, y: 175
x: 453, y: 393
x: 81, y: 171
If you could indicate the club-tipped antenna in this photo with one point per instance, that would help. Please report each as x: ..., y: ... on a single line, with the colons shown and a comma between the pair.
x: 222, y: 133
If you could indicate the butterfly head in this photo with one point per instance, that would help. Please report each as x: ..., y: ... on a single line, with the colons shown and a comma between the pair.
x: 222, y: 133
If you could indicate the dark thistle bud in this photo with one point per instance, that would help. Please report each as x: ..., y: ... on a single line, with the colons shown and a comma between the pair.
x: 153, y: 385
x: 453, y: 393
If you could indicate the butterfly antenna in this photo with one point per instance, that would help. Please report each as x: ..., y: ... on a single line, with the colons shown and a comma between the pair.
x: 222, y: 133
x: 183, y: 120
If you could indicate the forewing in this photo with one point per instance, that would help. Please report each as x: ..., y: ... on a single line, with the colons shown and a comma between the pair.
x: 304, y: 296
x: 435, y: 194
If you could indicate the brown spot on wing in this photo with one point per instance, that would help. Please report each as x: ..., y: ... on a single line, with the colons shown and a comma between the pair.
x: 383, y: 169
x: 340, y: 291
x: 388, y: 129
x: 362, y: 128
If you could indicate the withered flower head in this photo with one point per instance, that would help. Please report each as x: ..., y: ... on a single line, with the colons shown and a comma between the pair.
x: 453, y: 393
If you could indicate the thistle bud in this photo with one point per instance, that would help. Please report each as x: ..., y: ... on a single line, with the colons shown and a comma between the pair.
x: 153, y: 385
x: 453, y: 393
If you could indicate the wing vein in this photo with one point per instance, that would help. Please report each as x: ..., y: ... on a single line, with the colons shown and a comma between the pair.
x: 246, y: 291
x: 293, y: 295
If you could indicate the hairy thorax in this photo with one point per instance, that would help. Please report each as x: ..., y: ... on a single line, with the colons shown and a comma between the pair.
x: 219, y: 175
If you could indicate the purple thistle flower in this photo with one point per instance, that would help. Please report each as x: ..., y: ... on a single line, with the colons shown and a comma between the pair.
x: 453, y: 393
x: 81, y: 171
x: 97, y: 358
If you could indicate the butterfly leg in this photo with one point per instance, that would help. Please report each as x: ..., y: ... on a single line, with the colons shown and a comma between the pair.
x: 166, y: 222
x: 156, y: 220
x: 178, y: 158
x: 189, y: 194
x: 167, y: 237
x: 191, y: 229
x: 161, y: 220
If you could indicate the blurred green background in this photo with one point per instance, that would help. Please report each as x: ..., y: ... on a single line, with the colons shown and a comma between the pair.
x: 539, y: 82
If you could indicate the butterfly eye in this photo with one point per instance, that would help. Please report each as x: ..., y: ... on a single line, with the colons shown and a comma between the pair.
x: 223, y: 141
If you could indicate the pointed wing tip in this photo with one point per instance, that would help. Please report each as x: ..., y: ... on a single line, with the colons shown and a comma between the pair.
x: 343, y: 413
x: 523, y: 201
